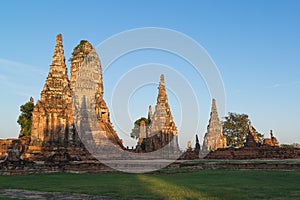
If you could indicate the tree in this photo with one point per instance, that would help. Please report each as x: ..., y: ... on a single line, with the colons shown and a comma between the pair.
x: 135, y: 132
x: 235, y: 128
x: 24, y: 119
x: 260, y: 136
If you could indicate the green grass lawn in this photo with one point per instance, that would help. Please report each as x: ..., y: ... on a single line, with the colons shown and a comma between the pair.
x: 203, y: 184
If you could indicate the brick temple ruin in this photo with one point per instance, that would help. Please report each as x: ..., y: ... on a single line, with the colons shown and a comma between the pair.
x: 55, y: 137
x: 53, y: 132
x: 253, y: 149
x: 161, y: 130
x: 215, y: 147
x: 214, y: 138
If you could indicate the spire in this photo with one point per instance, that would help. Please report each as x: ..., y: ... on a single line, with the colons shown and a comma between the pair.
x: 58, y: 59
x: 214, y: 121
x: 162, y: 116
x: 150, y: 114
x: 162, y: 94
x: 214, y: 137
x: 250, y: 127
x: 197, y: 140
x: 252, y: 132
x: 162, y: 79
x: 57, y: 82
x: 162, y: 130
x: 251, y: 138
x: 197, y: 145
x: 53, y: 112
x: 214, y: 110
x: 271, y: 133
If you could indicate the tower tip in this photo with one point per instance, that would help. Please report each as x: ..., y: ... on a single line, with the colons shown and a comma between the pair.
x: 162, y: 78
x: 59, y: 38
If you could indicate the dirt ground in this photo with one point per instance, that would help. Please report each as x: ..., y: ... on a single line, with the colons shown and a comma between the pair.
x: 26, y: 194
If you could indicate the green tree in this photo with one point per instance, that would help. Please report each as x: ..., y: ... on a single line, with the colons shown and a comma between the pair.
x: 260, y: 136
x: 235, y: 128
x: 24, y: 119
x: 135, y: 132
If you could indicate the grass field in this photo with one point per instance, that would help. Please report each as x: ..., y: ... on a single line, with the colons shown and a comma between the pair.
x: 203, y: 184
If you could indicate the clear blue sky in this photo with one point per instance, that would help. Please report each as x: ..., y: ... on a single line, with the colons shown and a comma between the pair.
x: 255, y: 45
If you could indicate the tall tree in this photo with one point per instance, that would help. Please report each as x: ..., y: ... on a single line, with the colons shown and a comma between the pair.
x: 235, y: 128
x: 24, y: 119
x: 135, y: 132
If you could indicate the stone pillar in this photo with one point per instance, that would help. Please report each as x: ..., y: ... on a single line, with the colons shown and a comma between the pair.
x: 142, y: 132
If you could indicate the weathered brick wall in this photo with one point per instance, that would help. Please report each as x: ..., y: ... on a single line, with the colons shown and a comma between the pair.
x: 263, y: 152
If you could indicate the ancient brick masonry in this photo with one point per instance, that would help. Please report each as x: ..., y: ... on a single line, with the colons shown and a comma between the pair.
x: 80, y: 52
x: 52, y: 115
x: 251, y: 138
x: 214, y: 137
x: 272, y: 141
x: 192, y: 154
x: 12, y: 149
x: 252, y: 149
x: 143, y: 132
x: 255, y: 152
x: 86, y: 67
x: 162, y: 130
x: 53, y: 127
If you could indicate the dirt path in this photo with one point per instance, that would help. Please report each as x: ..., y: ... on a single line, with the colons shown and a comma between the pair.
x: 27, y: 194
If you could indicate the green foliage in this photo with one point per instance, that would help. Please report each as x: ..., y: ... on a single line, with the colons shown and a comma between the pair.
x: 80, y: 48
x: 135, y: 132
x: 260, y: 136
x: 235, y: 128
x: 24, y: 119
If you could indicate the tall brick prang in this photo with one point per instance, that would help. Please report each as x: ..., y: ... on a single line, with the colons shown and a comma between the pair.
x: 214, y: 137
